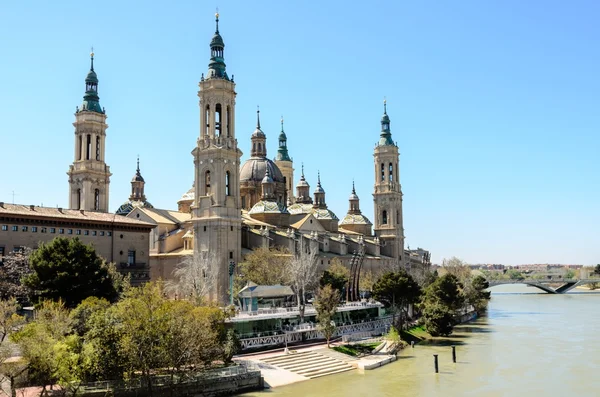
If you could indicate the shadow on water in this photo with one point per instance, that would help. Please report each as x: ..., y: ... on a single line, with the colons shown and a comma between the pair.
x: 442, y: 342
x: 471, y: 329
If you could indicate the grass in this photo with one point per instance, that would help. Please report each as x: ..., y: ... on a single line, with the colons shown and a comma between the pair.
x: 415, y: 334
x: 357, y: 349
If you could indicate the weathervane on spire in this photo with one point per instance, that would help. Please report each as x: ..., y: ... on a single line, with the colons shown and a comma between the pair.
x: 217, y: 19
x: 92, y: 57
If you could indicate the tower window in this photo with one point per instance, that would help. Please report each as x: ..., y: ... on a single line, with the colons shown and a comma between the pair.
x: 259, y: 147
x: 80, y: 147
x: 98, y: 148
x: 207, y: 118
x: 384, y: 218
x: 97, y: 199
x: 397, y: 177
x: 382, y: 172
x: 391, y: 174
x: 78, y: 199
x: 88, y: 149
x: 398, y: 217
x: 227, y: 186
x: 218, y: 120
x: 228, y: 121
x: 207, y: 182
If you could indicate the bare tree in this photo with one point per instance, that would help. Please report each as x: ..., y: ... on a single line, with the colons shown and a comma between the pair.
x: 303, y: 273
x: 195, y: 277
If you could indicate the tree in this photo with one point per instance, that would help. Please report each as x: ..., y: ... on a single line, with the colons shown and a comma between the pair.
x: 326, y: 303
x: 597, y: 269
x: 438, y: 319
x: 397, y: 290
x: 47, y: 347
x: 10, y: 369
x: 457, y: 268
x: 303, y: 273
x: 194, y: 277
x: 70, y: 271
x: 231, y: 347
x: 15, y: 266
x: 336, y: 276
x: 476, y: 295
x: 366, y: 281
x: 264, y: 266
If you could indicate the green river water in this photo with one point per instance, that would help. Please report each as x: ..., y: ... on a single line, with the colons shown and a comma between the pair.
x: 529, y: 344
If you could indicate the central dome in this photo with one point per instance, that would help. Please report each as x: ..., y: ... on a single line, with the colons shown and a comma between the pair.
x: 255, y: 168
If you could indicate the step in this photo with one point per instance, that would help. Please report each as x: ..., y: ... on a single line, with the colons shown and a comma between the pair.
x: 317, y: 368
x: 330, y: 373
x: 312, y: 364
x: 315, y: 359
x: 289, y: 358
x: 316, y: 371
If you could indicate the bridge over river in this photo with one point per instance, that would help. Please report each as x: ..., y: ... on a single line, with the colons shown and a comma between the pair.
x: 548, y: 285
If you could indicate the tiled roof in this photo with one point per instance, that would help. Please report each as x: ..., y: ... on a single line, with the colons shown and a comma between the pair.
x: 355, y: 219
x: 167, y: 216
x: 65, y: 214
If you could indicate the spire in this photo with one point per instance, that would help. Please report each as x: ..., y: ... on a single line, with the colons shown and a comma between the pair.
x: 216, y: 66
x: 353, y: 199
x: 267, y: 185
x: 138, y: 175
x: 319, y: 194
x: 91, y: 101
x: 137, y: 185
x: 282, y: 152
x: 258, y: 139
x: 353, y: 190
x: 385, y: 138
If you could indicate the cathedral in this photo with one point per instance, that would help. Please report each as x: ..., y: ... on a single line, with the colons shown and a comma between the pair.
x: 234, y: 207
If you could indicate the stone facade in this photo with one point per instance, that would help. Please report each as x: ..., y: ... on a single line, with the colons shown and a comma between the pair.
x: 117, y: 239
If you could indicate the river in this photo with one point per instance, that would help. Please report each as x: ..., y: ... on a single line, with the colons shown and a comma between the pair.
x: 529, y: 343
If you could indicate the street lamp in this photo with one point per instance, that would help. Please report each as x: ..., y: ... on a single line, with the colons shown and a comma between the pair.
x: 231, y: 268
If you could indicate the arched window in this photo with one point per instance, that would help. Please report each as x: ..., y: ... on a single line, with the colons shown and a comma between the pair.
x: 384, y: 219
x: 254, y: 147
x: 80, y: 147
x: 382, y: 172
x: 228, y: 122
x: 98, y: 148
x: 259, y: 147
x: 218, y: 120
x: 397, y: 177
x: 391, y: 175
x: 88, y: 149
x: 78, y: 199
x: 207, y: 182
x: 398, y: 217
x: 97, y: 199
x: 207, y: 118
x: 227, y: 186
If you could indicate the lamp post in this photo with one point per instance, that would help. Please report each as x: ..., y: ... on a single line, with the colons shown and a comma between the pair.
x: 231, y: 268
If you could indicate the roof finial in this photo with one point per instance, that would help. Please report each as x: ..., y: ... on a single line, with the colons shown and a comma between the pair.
x: 302, y: 169
x: 319, y: 177
x: 384, y: 106
x: 353, y: 191
x: 92, y: 59
x: 281, y: 123
x: 258, y: 117
x: 217, y: 19
x: 138, y: 164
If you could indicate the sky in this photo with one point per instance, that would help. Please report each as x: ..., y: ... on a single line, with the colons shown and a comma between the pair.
x: 495, y: 106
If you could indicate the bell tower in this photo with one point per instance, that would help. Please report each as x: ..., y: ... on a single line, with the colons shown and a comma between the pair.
x: 217, y: 205
x: 286, y: 165
x: 387, y: 195
x: 89, y: 176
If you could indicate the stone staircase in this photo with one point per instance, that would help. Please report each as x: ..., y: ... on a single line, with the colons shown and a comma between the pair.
x: 311, y: 364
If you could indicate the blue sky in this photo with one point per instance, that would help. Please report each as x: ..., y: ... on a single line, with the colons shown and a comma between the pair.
x: 495, y: 106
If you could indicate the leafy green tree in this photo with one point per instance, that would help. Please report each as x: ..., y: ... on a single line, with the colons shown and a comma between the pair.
x: 597, y: 269
x: 231, y: 347
x: 264, y: 266
x: 438, y: 319
x: 326, y: 303
x: 397, y: 290
x: 476, y: 295
x: 10, y: 369
x: 68, y: 270
x: 336, y: 275
x: 447, y: 291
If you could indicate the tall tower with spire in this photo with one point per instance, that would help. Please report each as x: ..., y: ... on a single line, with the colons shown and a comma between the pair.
x: 387, y: 195
x: 286, y: 165
x: 216, y: 209
x: 89, y: 176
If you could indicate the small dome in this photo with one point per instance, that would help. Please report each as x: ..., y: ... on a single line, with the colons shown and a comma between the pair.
x: 258, y: 134
x: 91, y: 77
x: 385, y: 118
x: 324, y: 213
x: 267, y: 178
x: 319, y: 189
x: 353, y: 196
x: 254, y: 169
x: 270, y: 207
x: 137, y: 178
x: 189, y: 195
x: 217, y: 41
x: 302, y: 182
x: 355, y: 219
x: 129, y: 206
